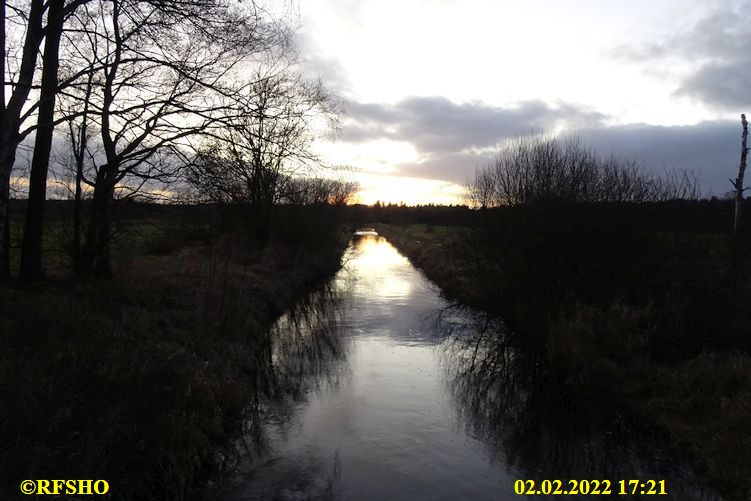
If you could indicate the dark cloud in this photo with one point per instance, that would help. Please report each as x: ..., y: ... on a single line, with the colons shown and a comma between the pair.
x: 725, y: 85
x: 451, y: 138
x: 453, y: 167
x: 437, y: 125
x: 721, y: 44
x: 709, y: 149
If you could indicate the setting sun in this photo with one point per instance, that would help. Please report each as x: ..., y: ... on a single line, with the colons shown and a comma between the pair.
x: 404, y: 190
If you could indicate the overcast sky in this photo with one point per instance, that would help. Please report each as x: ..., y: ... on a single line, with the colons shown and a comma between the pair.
x: 432, y: 87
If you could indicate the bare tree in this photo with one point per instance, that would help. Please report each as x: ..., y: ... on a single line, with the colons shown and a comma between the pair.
x: 319, y: 191
x: 201, y: 40
x: 535, y: 170
x: 162, y: 76
x: 79, y: 137
x: 738, y: 183
x: 264, y: 148
x: 75, y: 162
x: 30, y: 18
x: 31, y: 258
x: 11, y: 119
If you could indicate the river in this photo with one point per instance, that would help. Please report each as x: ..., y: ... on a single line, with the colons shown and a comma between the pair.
x: 374, y: 387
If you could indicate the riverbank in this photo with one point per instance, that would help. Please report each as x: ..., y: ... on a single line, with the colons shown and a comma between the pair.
x: 432, y: 249
x: 141, y: 379
x: 700, y: 402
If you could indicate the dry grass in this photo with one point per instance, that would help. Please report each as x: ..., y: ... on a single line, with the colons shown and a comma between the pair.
x: 139, y: 379
x: 704, y: 406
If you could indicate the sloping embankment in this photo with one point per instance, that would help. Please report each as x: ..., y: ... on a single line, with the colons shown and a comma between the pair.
x: 140, y: 379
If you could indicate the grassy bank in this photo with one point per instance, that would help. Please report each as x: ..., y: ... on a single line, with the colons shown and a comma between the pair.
x: 139, y: 380
x: 663, y: 350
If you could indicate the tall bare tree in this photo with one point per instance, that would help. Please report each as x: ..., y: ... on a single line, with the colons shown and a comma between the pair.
x: 31, y: 258
x: 198, y: 41
x: 162, y: 77
x: 11, y: 113
x: 23, y: 105
x: 738, y: 183
x: 79, y: 135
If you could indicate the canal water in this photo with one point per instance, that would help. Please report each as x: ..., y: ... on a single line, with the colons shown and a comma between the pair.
x: 374, y: 387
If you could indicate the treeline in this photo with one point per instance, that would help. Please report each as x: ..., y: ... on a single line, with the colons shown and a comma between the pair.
x: 596, y: 257
x: 685, y: 216
x: 456, y: 215
x: 152, y: 101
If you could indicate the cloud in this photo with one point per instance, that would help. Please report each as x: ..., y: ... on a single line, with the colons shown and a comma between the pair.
x: 718, y: 50
x: 452, y: 167
x: 327, y: 70
x: 438, y: 125
x: 710, y: 149
x: 724, y: 85
x: 315, y: 65
x: 453, y: 139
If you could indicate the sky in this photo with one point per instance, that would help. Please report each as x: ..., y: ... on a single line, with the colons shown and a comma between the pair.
x: 432, y: 88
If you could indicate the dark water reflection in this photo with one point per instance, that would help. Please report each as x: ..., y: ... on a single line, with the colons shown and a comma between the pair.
x: 375, y: 388
x: 542, y: 427
x: 304, y: 353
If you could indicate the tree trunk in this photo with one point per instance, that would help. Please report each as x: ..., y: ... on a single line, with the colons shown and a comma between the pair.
x: 77, y: 201
x: 95, y: 257
x: 99, y: 230
x: 31, y: 257
x: 4, y: 180
x: 88, y: 253
x: 79, y: 153
x: 5, y: 225
x: 739, y: 180
x: 103, y: 263
x: 10, y: 119
x: 2, y: 59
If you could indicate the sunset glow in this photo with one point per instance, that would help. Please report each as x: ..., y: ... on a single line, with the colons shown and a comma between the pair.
x: 432, y: 87
x: 410, y: 191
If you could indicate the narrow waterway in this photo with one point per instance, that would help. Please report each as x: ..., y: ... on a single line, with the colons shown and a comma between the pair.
x: 376, y: 388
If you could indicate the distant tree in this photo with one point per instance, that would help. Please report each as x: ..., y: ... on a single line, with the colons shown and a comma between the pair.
x: 319, y: 191
x: 738, y: 183
x: 254, y: 162
x: 538, y: 170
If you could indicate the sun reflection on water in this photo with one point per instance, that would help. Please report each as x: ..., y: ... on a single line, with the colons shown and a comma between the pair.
x: 379, y: 268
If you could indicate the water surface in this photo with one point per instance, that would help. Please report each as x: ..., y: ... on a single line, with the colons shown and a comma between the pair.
x: 376, y: 388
